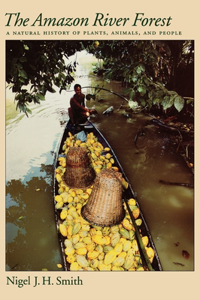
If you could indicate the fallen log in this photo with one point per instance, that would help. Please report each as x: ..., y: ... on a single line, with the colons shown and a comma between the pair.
x: 177, y: 183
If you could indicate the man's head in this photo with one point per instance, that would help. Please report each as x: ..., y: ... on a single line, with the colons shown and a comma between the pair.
x: 77, y: 88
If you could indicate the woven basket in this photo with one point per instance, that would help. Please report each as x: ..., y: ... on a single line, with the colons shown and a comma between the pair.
x: 104, y: 206
x: 79, y: 172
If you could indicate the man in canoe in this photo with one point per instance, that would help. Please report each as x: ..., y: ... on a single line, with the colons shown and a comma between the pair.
x: 78, y: 113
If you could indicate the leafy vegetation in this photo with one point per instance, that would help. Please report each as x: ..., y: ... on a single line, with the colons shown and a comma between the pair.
x: 155, y: 74
x: 35, y: 67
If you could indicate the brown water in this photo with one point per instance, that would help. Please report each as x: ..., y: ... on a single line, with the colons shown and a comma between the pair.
x: 31, y: 237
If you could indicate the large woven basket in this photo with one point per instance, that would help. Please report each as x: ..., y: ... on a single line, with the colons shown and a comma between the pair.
x: 104, y: 206
x: 79, y: 172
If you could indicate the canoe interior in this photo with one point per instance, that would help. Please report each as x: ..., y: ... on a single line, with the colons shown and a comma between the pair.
x: 128, y: 193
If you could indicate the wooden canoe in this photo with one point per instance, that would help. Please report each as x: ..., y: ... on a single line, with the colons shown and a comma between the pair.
x: 128, y: 193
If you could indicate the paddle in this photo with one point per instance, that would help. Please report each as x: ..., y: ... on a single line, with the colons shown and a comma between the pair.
x: 140, y: 243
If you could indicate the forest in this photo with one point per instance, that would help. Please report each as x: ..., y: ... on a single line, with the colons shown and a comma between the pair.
x: 157, y: 76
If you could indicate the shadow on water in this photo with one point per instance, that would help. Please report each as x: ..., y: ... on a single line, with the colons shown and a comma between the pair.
x: 31, y: 234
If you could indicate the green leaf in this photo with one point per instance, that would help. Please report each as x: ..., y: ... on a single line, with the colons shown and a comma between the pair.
x: 143, y: 102
x: 179, y: 103
x: 142, y: 90
x: 23, y: 59
x: 23, y: 74
x: 40, y: 96
x: 132, y: 94
x: 167, y: 102
x: 156, y: 100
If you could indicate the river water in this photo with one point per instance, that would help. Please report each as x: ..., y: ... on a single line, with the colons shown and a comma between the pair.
x: 31, y: 237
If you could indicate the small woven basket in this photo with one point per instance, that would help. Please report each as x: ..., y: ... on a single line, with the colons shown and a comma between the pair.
x: 79, y: 172
x: 104, y: 206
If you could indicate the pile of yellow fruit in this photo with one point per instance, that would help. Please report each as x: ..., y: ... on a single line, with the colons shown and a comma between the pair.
x: 91, y: 247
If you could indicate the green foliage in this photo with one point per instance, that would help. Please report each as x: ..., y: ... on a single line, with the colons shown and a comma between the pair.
x: 35, y: 67
x: 147, y: 68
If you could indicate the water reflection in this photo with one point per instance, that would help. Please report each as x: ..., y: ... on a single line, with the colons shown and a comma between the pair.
x: 30, y: 232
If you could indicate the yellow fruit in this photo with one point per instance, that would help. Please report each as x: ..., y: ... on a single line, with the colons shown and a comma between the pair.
x: 59, y: 205
x: 74, y: 214
x: 101, y: 256
x: 110, y: 257
x: 79, y: 245
x: 58, y: 178
x: 87, y: 240
x: 138, y: 222
x: 107, y: 149
x: 99, y: 248
x: 115, y: 169
x: 122, y: 254
x: 82, y: 261
x: 132, y: 234
x: 127, y: 225
x: 99, y: 232
x: 106, y: 230
x: 129, y: 262
x: 124, y: 233
x: 92, y: 254
x: 98, y: 239
x: 108, y: 248
x: 124, y: 183
x: 145, y: 240
x: 136, y: 213
x: 75, y: 238
x: 85, y: 196
x: 135, y: 245
x: 89, y: 191
x: 67, y: 243
x: 74, y: 266
x: 115, y: 268
x: 97, y: 170
x: 109, y: 165
x: 64, y: 196
x: 69, y: 251
x: 131, y: 201
x: 91, y: 246
x: 63, y: 214
x: 58, y: 198
x: 119, y: 261
x: 59, y: 266
x: 81, y: 251
x: 127, y: 245
x: 150, y: 253
x: 114, y: 229
x: 108, y: 155
x: 118, y: 248
x: 69, y: 230
x: 94, y: 263
x: 69, y: 199
x: 115, y: 239
x: 104, y: 267
x: 70, y: 259
x: 63, y: 230
x: 92, y: 231
x: 83, y: 233
x: 112, y: 161
x: 85, y: 227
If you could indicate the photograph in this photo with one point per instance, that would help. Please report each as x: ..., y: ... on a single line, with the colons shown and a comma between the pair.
x: 125, y: 110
